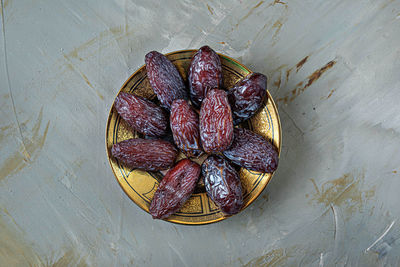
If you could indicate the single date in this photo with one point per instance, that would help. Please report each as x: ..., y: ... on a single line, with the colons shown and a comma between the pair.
x: 175, y: 189
x: 252, y: 151
x: 222, y: 184
x: 184, y: 122
x: 145, y: 154
x: 165, y: 79
x: 216, y: 126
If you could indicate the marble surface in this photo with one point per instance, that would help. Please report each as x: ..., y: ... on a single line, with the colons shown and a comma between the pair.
x: 333, y: 69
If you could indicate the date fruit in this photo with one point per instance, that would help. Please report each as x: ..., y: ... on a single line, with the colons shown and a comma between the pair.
x: 175, y: 189
x: 216, y: 127
x: 145, y: 154
x: 184, y: 122
x: 205, y: 73
x: 247, y: 96
x: 222, y: 184
x: 252, y: 151
x: 164, y: 78
x: 141, y: 114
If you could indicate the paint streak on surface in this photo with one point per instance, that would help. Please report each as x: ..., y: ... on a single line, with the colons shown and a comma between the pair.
x: 102, y: 39
x: 277, y: 26
x: 15, y: 251
x: 70, y: 258
x: 344, y: 191
x: 3, y: 132
x: 86, y: 80
x: 210, y: 9
x: 315, y: 76
x: 277, y: 83
x: 74, y: 54
x: 88, y: 83
x: 84, y: 77
x: 275, y: 257
x: 301, y: 63
x: 250, y: 12
x: 330, y: 94
x: 310, y: 80
x: 278, y: 2
x: 288, y: 74
x: 21, y: 158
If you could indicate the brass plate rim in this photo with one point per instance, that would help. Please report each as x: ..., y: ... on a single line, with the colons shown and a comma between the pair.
x: 175, y: 221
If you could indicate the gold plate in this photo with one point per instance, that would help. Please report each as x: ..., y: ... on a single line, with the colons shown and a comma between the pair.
x: 141, y: 185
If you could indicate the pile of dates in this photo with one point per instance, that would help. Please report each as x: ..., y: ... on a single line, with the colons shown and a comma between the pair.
x: 202, y: 121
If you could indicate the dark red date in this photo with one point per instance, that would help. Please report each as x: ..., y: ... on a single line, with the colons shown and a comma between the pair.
x: 141, y: 114
x: 145, y: 154
x: 184, y: 122
x: 175, y: 189
x: 205, y: 73
x: 252, y: 151
x: 247, y: 96
x: 216, y: 127
x: 164, y: 78
x: 222, y: 184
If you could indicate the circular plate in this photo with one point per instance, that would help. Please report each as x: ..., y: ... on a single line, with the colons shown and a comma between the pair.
x: 140, y: 185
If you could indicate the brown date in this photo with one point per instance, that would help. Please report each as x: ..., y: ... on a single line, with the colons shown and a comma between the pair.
x: 247, y: 96
x: 184, y: 122
x: 141, y: 114
x: 205, y: 73
x: 164, y: 78
x: 252, y: 151
x: 175, y: 189
x: 145, y: 154
x: 216, y: 127
x: 222, y: 184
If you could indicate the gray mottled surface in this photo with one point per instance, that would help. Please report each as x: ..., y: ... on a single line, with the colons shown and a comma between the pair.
x: 334, y: 199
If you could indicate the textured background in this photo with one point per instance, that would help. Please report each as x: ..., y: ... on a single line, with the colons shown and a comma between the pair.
x: 333, y: 68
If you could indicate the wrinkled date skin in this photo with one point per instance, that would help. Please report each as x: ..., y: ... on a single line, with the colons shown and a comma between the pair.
x: 216, y: 126
x: 175, y: 189
x: 141, y: 114
x: 184, y: 122
x: 252, y: 151
x: 247, y: 96
x: 164, y: 78
x: 222, y: 184
x: 145, y: 154
x: 205, y: 73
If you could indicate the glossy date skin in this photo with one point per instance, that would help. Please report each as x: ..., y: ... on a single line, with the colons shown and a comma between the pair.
x: 252, y: 151
x: 247, y: 96
x: 141, y: 114
x: 164, y: 78
x: 175, y: 189
x: 216, y: 126
x: 145, y: 154
x: 184, y: 122
x: 205, y: 73
x: 222, y: 184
